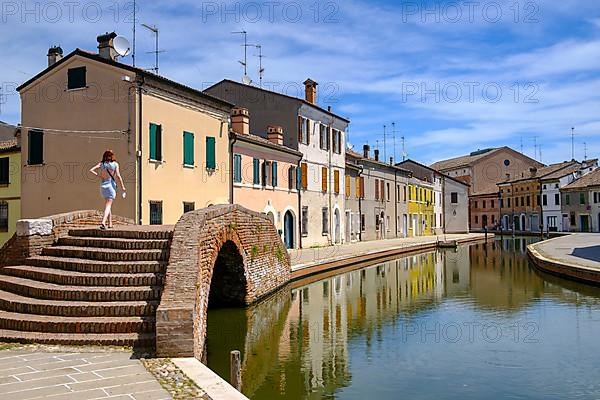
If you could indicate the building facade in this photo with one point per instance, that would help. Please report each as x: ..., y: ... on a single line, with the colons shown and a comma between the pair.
x: 265, y: 176
x: 162, y: 133
x: 382, y: 196
x: 10, y: 187
x: 581, y: 204
x: 551, y: 198
x: 421, y: 204
x: 353, y: 184
x: 482, y: 170
x: 320, y: 136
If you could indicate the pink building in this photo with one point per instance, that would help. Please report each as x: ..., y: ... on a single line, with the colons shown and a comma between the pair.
x: 265, y: 176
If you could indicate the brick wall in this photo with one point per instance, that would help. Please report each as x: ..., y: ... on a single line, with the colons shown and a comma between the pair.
x: 198, y: 238
x: 19, y: 248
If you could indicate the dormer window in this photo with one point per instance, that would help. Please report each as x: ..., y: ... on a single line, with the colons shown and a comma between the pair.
x: 76, y: 78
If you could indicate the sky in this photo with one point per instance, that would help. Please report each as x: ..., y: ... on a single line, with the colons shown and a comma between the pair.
x: 450, y: 77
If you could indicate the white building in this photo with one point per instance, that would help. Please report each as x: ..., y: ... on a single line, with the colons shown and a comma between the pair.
x: 553, y: 217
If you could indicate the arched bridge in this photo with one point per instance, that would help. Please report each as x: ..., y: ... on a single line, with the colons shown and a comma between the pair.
x: 222, y: 256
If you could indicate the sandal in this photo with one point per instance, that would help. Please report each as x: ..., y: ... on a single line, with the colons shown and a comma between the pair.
x: 102, y: 227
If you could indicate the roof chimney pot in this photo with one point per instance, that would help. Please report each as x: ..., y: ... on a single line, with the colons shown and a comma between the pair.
x: 105, y: 46
x: 55, y: 54
x: 310, y: 91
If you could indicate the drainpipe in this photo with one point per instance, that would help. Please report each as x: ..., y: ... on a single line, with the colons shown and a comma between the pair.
x: 444, y: 206
x: 299, y: 190
x: 232, y: 140
x: 360, y: 172
x: 140, y: 83
x: 396, y: 201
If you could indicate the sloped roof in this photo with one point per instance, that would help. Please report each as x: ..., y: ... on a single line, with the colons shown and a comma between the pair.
x: 591, y: 179
x: 252, y: 138
x: 562, y: 172
x: 9, y: 145
x: 7, y: 131
x: 432, y: 169
x: 380, y: 163
x: 462, y: 161
x: 543, y: 172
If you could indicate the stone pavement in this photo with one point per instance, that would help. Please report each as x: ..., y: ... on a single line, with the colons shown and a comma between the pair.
x: 306, y: 258
x: 580, y: 249
x: 34, y: 373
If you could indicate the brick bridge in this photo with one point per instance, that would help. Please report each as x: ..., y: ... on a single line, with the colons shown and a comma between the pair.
x: 64, y: 281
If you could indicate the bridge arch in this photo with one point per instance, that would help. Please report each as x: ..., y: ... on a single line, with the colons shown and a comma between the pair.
x: 223, y: 256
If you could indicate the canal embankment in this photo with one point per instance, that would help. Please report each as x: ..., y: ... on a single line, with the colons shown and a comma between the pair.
x: 575, y: 256
x: 339, y: 259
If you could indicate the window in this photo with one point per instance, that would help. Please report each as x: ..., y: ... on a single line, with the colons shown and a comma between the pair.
x: 304, y: 221
x: 347, y: 186
x: 325, y: 220
x: 274, y: 180
x: 544, y: 200
x: 3, y: 216
x: 211, y: 156
x: 363, y: 223
x: 475, y: 205
x: 596, y: 197
x: 336, y: 181
x: 388, y: 191
x: 484, y: 204
x: 552, y: 222
x: 557, y: 199
x: 304, y: 174
x: 324, y: 178
x: 476, y: 219
x: 256, y: 171
x: 454, y: 198
x: 156, y: 213
x: 493, y: 204
x: 362, y: 187
x: 4, y: 171
x: 292, y: 176
x: 35, y: 154
x: 509, y: 202
x: 522, y: 201
x: 76, y: 78
x: 582, y: 198
x: 573, y: 220
x: 155, y: 142
x: 387, y: 222
x: 188, y: 207
x: 266, y: 173
x: 405, y: 194
x: 188, y: 148
x: 376, y: 189
x: 324, y: 137
x: 334, y: 139
x: 528, y: 201
x: 303, y: 130
x: 568, y: 199
x: 237, y: 168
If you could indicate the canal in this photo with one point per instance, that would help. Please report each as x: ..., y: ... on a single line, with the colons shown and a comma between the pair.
x: 469, y: 323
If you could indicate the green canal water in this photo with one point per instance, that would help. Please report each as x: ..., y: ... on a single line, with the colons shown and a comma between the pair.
x: 472, y: 323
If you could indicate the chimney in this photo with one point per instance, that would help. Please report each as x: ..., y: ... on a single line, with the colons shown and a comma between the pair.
x: 240, y: 120
x: 376, y: 154
x: 508, y: 177
x: 275, y: 134
x: 391, y: 160
x: 366, y: 151
x: 310, y: 88
x: 105, y: 46
x: 533, y: 171
x: 55, y: 54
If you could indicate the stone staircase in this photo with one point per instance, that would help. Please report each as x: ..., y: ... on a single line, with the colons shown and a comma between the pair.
x: 91, y: 287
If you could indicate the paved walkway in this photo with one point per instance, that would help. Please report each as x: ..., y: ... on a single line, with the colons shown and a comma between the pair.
x: 30, y: 373
x: 581, y: 249
x: 306, y: 258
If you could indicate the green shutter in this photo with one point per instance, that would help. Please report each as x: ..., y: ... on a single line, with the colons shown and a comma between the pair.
x: 211, y: 161
x: 188, y: 148
x: 298, y: 178
x: 274, y: 174
x: 256, y: 164
x: 36, y: 147
x: 237, y: 168
x: 154, y: 142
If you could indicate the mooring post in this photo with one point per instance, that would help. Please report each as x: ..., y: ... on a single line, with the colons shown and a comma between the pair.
x: 235, y: 370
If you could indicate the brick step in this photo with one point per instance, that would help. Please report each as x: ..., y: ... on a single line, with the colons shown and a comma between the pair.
x: 140, y: 340
x: 55, y: 324
x: 129, y: 233
x: 81, y: 278
x: 27, y: 305
x: 50, y: 291
x: 97, y: 267
x: 114, y: 243
x: 100, y: 254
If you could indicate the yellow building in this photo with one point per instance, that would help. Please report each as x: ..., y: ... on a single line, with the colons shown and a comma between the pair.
x: 171, y: 141
x: 421, y: 202
x: 10, y: 188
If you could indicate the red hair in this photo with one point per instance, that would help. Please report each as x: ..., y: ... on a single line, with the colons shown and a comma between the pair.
x: 108, y: 156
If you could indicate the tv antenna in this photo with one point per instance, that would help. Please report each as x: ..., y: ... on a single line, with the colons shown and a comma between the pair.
x: 156, y: 51
x: 404, y: 154
x: 535, y: 147
x: 261, y: 70
x: 246, y: 79
x: 394, y: 138
x: 584, y: 151
x: 134, y: 23
x: 384, y: 135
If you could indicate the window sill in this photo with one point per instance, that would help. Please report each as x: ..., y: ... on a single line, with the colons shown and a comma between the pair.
x: 34, y: 165
x: 188, y: 166
x: 4, y: 184
x: 77, y: 89
x: 151, y: 161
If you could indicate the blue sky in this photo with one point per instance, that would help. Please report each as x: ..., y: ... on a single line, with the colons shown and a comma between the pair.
x: 453, y: 76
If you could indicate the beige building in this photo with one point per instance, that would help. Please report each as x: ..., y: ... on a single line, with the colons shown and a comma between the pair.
x: 10, y: 183
x: 265, y: 176
x: 172, y: 141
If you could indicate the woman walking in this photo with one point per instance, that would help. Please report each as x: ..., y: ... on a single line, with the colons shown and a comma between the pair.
x: 107, y: 170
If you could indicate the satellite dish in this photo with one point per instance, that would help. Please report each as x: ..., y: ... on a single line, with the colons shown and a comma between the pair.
x: 246, y: 79
x: 122, y: 46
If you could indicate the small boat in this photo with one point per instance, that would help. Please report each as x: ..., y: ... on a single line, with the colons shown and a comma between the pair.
x: 447, y: 244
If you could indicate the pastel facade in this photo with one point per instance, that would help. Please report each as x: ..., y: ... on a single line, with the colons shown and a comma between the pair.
x: 581, y: 204
x: 483, y: 170
x: 382, y: 196
x: 10, y: 187
x: 420, y: 208
x: 315, y: 132
x: 171, y: 141
x: 265, y: 177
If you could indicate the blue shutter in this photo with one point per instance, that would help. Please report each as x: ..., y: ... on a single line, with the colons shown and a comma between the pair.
x: 256, y: 165
x: 211, y: 157
x: 237, y: 168
x: 298, y: 178
x: 274, y: 174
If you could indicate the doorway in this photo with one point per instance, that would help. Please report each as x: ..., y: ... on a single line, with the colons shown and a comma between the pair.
x: 336, y: 224
x: 288, y: 230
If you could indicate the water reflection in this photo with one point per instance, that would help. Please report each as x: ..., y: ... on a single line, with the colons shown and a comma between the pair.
x: 345, y: 336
